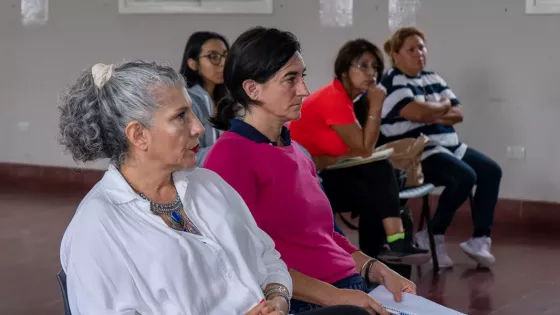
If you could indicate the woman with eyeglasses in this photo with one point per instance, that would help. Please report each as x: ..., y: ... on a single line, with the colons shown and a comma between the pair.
x: 329, y: 130
x: 203, y: 68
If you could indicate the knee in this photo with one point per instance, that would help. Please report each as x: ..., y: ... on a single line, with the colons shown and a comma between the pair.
x: 494, y: 171
x: 385, y: 168
x: 467, y: 178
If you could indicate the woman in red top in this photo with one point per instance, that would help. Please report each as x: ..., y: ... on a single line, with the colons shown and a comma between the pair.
x: 329, y: 130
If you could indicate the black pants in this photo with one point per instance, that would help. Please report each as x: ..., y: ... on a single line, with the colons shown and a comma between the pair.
x: 337, y: 310
x: 369, y: 190
x: 459, y: 177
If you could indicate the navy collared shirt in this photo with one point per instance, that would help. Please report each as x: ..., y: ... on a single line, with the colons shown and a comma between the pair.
x: 245, y: 130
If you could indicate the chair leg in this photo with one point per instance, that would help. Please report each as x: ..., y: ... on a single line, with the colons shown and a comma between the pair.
x: 425, y: 201
x: 426, y: 216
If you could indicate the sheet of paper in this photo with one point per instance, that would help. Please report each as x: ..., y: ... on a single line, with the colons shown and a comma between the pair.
x: 410, y: 305
x: 402, y: 13
x: 34, y: 12
x: 336, y: 13
x: 376, y: 156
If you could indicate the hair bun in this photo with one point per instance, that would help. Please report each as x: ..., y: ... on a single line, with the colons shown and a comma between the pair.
x: 388, y: 47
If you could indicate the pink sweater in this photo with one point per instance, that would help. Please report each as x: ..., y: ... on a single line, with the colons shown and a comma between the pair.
x: 281, y: 188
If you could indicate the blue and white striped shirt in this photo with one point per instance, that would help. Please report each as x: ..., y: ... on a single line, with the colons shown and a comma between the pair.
x: 401, y: 90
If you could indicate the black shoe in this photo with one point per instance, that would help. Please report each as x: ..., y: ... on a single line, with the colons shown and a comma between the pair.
x: 402, y: 252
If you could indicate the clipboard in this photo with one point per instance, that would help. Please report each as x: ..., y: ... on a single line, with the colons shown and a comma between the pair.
x: 376, y: 156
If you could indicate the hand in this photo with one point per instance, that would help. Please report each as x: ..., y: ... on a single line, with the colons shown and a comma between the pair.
x: 276, y: 304
x: 263, y: 308
x: 395, y: 283
x: 376, y: 97
x: 360, y: 299
x: 257, y: 309
x: 445, y: 102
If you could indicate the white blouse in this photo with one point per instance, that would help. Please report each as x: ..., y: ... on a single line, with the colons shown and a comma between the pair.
x: 120, y: 258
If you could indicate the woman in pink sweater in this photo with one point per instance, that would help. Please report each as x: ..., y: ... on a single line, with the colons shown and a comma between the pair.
x: 264, y: 74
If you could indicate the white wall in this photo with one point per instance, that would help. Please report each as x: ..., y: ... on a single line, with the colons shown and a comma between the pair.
x: 488, y: 51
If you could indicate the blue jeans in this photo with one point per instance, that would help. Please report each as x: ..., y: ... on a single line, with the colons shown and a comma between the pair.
x: 355, y: 282
x: 459, y: 177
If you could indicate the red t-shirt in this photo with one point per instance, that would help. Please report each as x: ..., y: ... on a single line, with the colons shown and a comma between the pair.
x: 328, y: 106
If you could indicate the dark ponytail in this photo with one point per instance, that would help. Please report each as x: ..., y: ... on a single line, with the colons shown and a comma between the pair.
x: 226, y: 110
x: 257, y: 55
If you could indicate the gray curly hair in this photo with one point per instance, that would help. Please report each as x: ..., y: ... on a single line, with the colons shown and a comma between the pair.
x: 93, y: 119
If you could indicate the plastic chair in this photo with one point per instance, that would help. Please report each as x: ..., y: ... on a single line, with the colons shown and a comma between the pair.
x: 423, y: 191
x: 425, y: 216
x: 61, y: 276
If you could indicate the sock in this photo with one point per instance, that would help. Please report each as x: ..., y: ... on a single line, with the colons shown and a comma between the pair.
x: 395, y: 237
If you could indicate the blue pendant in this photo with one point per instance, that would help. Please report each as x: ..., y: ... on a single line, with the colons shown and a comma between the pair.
x: 177, y: 219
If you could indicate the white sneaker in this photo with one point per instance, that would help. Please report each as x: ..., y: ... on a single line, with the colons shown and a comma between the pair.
x: 478, y: 248
x: 422, y: 241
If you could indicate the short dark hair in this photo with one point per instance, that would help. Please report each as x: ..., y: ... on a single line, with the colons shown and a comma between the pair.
x: 257, y: 54
x: 193, y: 48
x: 353, y: 50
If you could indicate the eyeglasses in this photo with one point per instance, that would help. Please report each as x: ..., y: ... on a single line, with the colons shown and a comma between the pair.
x: 365, y: 67
x: 215, y: 57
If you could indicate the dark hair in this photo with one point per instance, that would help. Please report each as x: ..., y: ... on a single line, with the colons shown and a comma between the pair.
x: 353, y: 50
x: 257, y: 55
x: 193, y: 48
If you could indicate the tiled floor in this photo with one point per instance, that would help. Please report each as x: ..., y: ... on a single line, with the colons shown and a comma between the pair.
x: 526, y: 279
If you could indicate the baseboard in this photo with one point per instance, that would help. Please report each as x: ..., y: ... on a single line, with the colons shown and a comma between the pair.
x: 535, y: 215
x: 512, y: 217
x: 46, y: 178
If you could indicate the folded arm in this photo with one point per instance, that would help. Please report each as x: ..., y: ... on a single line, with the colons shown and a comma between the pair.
x: 423, y: 111
x: 452, y: 117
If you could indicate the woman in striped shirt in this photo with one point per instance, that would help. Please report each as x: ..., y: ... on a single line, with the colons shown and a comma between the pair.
x: 420, y: 102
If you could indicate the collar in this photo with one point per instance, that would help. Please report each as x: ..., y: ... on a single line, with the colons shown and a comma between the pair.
x: 120, y: 192
x: 340, y: 88
x: 245, y: 130
x: 337, y: 84
x: 398, y: 71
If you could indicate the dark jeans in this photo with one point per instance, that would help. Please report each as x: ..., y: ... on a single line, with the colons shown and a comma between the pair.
x: 368, y: 190
x: 459, y: 177
x: 355, y: 282
x: 337, y: 310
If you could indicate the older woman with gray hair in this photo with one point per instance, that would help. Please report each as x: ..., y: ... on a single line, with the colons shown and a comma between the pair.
x: 156, y: 235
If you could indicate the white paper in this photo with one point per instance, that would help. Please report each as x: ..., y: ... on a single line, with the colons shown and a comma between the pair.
x: 410, y: 304
x: 34, y: 12
x: 402, y: 13
x: 336, y: 13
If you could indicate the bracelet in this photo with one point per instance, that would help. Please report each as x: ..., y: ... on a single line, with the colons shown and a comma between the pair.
x: 364, y: 267
x: 368, y: 269
x: 281, y: 291
x: 372, y: 117
x: 367, y: 266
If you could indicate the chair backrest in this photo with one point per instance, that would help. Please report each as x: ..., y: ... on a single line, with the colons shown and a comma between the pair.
x: 61, y: 276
